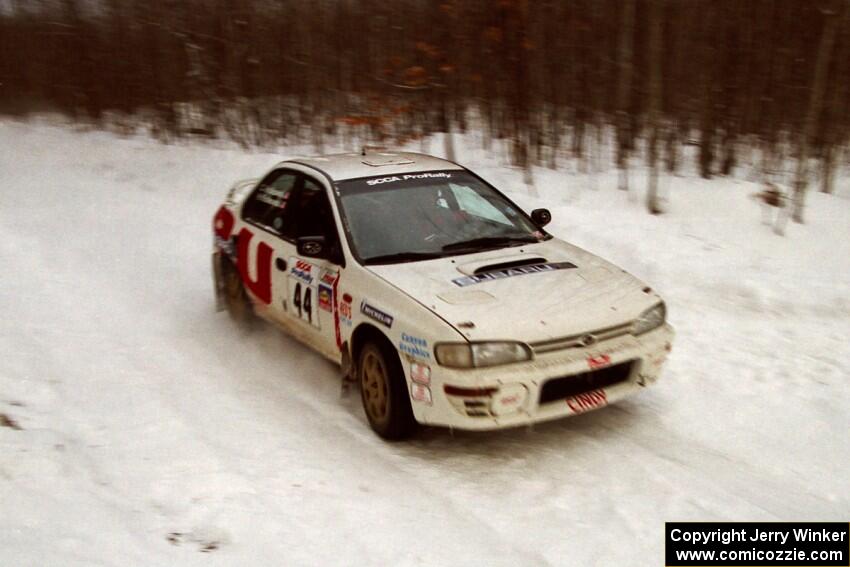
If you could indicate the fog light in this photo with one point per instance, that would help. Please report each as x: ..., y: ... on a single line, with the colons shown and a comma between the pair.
x: 509, y: 399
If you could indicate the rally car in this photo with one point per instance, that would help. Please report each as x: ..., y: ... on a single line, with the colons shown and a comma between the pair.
x: 440, y: 297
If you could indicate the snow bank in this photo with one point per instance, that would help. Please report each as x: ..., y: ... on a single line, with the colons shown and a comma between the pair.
x: 150, y: 431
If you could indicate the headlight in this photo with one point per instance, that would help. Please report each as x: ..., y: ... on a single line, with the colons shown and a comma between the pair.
x: 478, y: 355
x: 650, y: 319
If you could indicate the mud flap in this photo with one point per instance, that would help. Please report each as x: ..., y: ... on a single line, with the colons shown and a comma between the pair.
x: 218, y: 282
x: 348, y: 372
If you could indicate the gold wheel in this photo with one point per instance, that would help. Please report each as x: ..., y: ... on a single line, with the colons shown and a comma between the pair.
x: 373, y: 381
x: 383, y: 390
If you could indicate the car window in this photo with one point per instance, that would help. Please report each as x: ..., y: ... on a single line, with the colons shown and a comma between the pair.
x: 269, y: 206
x: 434, y: 213
x: 314, y: 213
x: 469, y: 200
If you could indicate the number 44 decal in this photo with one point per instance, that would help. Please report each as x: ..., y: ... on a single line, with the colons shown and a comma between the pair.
x: 304, y: 307
x: 303, y: 290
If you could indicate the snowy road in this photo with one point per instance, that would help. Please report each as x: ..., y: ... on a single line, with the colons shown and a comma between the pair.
x: 142, y: 428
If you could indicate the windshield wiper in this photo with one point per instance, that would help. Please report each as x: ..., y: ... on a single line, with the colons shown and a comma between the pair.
x: 489, y: 242
x: 400, y: 257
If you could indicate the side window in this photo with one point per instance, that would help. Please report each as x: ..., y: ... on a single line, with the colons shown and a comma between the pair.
x: 270, y: 206
x: 470, y: 201
x: 315, y: 217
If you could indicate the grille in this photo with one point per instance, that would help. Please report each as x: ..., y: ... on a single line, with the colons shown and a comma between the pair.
x: 472, y: 407
x: 476, y: 408
x: 560, y: 388
x: 575, y: 341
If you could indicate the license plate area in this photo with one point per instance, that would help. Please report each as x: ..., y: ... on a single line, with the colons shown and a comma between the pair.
x: 559, y: 389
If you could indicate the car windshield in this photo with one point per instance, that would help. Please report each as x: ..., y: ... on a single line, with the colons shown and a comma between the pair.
x: 418, y: 216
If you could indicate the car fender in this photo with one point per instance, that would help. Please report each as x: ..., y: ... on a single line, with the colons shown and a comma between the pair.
x: 410, y: 327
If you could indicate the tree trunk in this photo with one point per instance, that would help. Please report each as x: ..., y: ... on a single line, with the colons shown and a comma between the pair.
x: 655, y: 25
x: 710, y: 75
x: 815, y: 103
x: 834, y: 120
x: 624, y: 138
x: 828, y: 171
x: 449, y: 143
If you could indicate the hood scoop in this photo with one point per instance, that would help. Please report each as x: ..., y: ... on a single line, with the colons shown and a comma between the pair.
x: 508, y: 265
x: 503, y: 263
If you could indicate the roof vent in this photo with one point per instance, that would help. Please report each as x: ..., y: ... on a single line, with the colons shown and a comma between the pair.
x: 379, y: 155
x: 377, y: 160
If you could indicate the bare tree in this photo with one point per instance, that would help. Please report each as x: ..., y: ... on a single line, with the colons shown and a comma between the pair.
x: 545, y: 78
x: 624, y: 86
x: 654, y: 111
x: 824, y: 53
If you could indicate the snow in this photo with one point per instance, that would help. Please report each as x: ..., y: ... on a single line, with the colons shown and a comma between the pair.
x: 152, y: 431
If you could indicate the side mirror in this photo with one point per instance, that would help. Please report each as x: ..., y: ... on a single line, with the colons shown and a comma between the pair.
x: 311, y: 247
x: 541, y: 217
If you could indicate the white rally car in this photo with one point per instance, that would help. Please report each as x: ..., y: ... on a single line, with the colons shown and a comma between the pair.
x: 446, y: 303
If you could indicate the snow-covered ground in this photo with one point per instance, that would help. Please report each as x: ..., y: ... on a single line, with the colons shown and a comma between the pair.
x: 139, y: 427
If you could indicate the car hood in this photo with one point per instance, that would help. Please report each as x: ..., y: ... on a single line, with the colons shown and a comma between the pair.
x: 532, y: 293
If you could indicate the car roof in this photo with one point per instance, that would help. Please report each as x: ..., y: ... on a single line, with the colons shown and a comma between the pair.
x: 370, y: 163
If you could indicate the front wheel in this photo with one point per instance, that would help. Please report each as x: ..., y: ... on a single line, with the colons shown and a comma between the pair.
x: 383, y: 391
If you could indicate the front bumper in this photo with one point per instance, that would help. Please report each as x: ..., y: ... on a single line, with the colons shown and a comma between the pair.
x: 510, y: 395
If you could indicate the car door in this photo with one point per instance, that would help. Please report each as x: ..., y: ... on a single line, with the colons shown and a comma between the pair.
x: 268, y: 240
x: 311, y: 282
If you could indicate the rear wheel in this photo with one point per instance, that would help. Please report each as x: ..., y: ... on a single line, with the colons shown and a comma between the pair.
x: 235, y: 297
x: 383, y: 391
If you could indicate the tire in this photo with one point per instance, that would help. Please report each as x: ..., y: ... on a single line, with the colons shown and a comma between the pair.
x: 236, y: 299
x: 383, y: 391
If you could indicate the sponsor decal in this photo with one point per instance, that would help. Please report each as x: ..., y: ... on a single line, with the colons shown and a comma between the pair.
x: 274, y: 197
x: 420, y: 373
x: 223, y: 223
x: 395, y: 178
x: 334, y: 298
x: 511, y: 400
x: 302, y: 271
x: 262, y: 285
x: 329, y: 279
x: 345, y: 313
x: 376, y: 314
x: 343, y: 308
x: 420, y: 393
x: 414, y: 346
x: 587, y: 401
x: 511, y: 272
x: 601, y: 361
x: 222, y: 229
x: 325, y: 297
